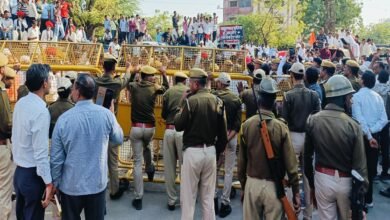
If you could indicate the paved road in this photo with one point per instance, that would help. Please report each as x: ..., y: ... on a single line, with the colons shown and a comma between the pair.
x: 154, y: 206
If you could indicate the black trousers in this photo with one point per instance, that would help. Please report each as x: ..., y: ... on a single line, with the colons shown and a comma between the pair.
x: 93, y: 205
x: 29, y: 188
x: 372, y: 163
x: 384, y: 140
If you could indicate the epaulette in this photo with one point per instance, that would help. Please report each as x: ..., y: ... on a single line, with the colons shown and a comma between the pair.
x: 282, y: 120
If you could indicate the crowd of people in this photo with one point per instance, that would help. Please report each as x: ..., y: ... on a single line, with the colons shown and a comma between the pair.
x: 36, y: 20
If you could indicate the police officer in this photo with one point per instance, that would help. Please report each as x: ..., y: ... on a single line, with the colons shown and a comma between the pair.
x: 201, y: 117
x: 298, y: 104
x: 260, y: 199
x: 173, y: 140
x: 233, y: 115
x: 7, y: 76
x: 63, y: 104
x: 143, y: 97
x: 327, y: 70
x: 351, y: 71
x: 336, y: 140
x: 247, y: 96
x: 116, y: 84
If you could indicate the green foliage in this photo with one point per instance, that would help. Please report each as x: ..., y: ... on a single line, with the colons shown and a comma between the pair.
x: 379, y: 32
x: 268, y: 25
x: 93, y: 16
x: 161, y: 20
x: 348, y: 14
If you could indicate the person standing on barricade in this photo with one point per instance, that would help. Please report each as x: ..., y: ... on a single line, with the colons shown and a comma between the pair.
x: 261, y: 177
x: 298, y: 104
x: 232, y: 105
x: 202, y: 119
x: 30, y: 146
x: 116, y: 84
x: 7, y: 76
x: 173, y: 140
x: 336, y: 140
x: 78, y: 154
x: 143, y: 98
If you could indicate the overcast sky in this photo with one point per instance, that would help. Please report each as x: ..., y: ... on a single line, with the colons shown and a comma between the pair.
x: 373, y: 10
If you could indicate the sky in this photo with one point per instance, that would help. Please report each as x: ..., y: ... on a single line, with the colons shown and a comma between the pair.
x: 373, y: 11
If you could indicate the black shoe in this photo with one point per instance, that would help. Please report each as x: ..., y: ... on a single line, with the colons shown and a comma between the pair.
x: 171, y: 207
x: 385, y: 192
x: 151, y: 174
x: 216, y: 206
x: 124, y: 184
x: 13, y: 197
x: 225, y: 210
x: 137, y: 204
x: 117, y: 195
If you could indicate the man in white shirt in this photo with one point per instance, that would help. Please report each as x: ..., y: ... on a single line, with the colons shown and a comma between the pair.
x: 20, y: 25
x: 369, y: 110
x: 7, y: 26
x: 81, y: 35
x: 13, y: 5
x: 114, y: 48
x: 33, y: 32
x: 30, y: 140
x: 122, y: 28
x: 48, y: 34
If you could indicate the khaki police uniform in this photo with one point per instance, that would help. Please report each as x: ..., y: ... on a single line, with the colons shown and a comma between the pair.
x: 57, y: 108
x: 298, y: 104
x: 173, y: 140
x: 202, y: 120
x: 143, y: 97
x: 336, y: 142
x: 6, y: 165
x: 22, y: 91
x: 116, y: 84
x: 247, y: 97
x: 260, y: 199
x: 353, y: 79
x: 233, y: 115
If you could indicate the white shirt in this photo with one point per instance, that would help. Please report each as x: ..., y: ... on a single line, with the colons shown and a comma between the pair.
x: 368, y: 108
x: 13, y: 4
x: 20, y: 25
x: 30, y: 135
x: 208, y: 28
x: 123, y: 25
x: 33, y: 32
x: 114, y: 49
x: 7, y: 23
x: 47, y: 35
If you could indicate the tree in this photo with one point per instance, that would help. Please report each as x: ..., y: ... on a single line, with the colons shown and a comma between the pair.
x: 379, y: 32
x: 331, y: 14
x: 90, y: 13
x: 161, y: 20
x: 272, y: 24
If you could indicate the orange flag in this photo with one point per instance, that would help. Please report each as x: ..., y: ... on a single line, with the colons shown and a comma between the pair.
x: 312, y: 38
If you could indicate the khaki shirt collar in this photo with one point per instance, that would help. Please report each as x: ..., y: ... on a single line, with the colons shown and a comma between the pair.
x: 265, y: 114
x: 334, y: 107
x: 2, y: 85
x: 300, y: 85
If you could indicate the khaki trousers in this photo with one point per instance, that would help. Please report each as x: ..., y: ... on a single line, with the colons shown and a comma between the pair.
x: 6, y: 176
x: 332, y: 194
x: 172, y: 147
x: 140, y: 141
x: 260, y: 200
x: 198, y: 173
x: 298, y: 141
x: 230, y: 161
x: 113, y: 168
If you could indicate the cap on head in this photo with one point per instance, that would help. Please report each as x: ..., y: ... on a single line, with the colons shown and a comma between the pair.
x: 109, y: 57
x: 72, y: 75
x: 63, y: 84
x: 297, y: 68
x: 275, y: 61
x: 352, y: 63
x: 148, y: 70
x: 9, y: 72
x: 224, y: 78
x: 198, y: 73
x: 181, y: 75
x: 327, y: 63
x: 3, y: 60
x: 259, y: 74
x: 269, y: 86
x: 338, y: 85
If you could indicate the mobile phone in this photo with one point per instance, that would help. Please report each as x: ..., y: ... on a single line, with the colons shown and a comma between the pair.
x: 344, y: 41
x: 104, y: 97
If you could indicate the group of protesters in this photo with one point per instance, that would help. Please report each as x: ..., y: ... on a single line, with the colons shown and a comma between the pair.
x: 35, y: 20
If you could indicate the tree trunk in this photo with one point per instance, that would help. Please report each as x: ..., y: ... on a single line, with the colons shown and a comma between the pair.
x: 330, y: 9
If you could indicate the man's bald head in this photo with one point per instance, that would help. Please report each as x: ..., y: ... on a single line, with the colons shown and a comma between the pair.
x: 86, y: 86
